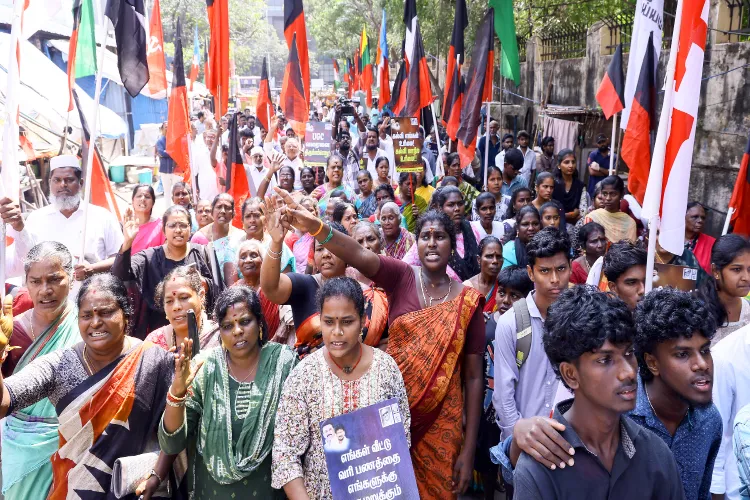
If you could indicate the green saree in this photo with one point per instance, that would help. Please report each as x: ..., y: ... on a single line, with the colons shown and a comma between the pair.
x: 228, y: 429
x: 30, y: 436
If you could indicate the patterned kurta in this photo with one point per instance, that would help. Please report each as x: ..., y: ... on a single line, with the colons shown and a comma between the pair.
x: 311, y: 394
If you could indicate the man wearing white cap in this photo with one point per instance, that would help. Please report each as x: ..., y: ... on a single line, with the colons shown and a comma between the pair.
x: 62, y: 221
x: 256, y: 171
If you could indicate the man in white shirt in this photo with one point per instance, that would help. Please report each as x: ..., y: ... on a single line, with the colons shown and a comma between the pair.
x: 386, y: 143
x: 62, y: 221
x: 256, y: 171
x: 291, y: 149
x: 731, y: 393
x: 529, y: 157
x: 371, y: 151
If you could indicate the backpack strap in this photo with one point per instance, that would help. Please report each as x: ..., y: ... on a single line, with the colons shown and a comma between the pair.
x: 523, y: 331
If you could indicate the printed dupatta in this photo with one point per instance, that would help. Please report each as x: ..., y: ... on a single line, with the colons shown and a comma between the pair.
x: 113, y: 413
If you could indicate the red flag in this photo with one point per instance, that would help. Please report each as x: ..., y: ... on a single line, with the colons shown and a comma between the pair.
x: 102, y: 194
x: 478, y: 88
x: 398, y: 96
x: 72, y: 47
x: 740, y: 201
x: 636, y: 142
x: 456, y: 50
x: 294, y: 24
x: 611, y: 90
x: 352, y: 77
x: 237, y: 185
x: 293, y: 102
x: 217, y: 66
x: 263, y: 106
x: 157, y: 69
x: 452, y: 115
x: 178, y: 120
x: 418, y: 91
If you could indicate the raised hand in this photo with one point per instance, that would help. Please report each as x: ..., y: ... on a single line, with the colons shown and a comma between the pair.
x: 296, y: 215
x: 6, y: 325
x: 184, y: 373
x: 276, y: 230
x: 129, y: 227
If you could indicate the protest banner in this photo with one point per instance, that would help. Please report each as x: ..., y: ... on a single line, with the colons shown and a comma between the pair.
x: 407, y: 144
x: 367, y: 454
x: 317, y: 144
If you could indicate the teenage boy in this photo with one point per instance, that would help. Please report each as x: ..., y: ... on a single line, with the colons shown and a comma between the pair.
x: 524, y: 379
x: 673, y: 340
x: 589, y: 341
x: 624, y: 266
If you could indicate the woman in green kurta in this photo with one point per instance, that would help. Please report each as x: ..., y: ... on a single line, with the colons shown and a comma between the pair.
x: 222, y: 406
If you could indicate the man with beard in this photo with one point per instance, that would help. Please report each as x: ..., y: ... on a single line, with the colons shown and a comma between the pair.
x: 598, y: 163
x: 351, y: 161
x: 62, y: 221
x: 371, y: 152
x: 672, y: 344
x: 589, y: 340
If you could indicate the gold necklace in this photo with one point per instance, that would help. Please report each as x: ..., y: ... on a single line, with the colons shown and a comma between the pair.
x: 31, y: 326
x: 439, y: 299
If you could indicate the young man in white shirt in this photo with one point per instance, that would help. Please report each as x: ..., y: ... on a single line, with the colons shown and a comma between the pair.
x: 529, y: 157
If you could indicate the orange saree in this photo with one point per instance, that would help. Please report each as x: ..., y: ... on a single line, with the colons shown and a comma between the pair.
x: 428, y: 346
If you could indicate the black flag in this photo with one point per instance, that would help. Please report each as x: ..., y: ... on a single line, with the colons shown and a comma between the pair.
x: 129, y: 21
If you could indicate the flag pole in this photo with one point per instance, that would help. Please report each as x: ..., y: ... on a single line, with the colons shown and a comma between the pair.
x: 486, y: 144
x: 613, y: 142
x: 730, y: 211
x: 92, y: 139
x: 193, y: 171
x: 652, y: 225
x: 440, y: 167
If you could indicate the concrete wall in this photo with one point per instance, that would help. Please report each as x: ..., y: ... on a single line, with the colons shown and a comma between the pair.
x: 724, y: 113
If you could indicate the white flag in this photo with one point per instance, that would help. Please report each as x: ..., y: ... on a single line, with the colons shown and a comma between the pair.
x: 649, y: 17
x: 10, y: 184
x: 669, y: 178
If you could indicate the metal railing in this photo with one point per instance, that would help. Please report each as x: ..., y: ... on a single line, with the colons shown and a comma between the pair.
x: 563, y: 42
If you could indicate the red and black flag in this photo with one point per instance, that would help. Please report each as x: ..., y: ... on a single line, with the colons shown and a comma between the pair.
x: 398, y: 95
x: 294, y: 24
x: 102, y: 194
x: 612, y: 89
x: 293, y: 102
x: 236, y: 181
x: 478, y: 87
x: 418, y: 90
x: 456, y: 51
x: 217, y: 64
x: 740, y: 202
x: 452, y: 114
x: 129, y: 20
x: 410, y: 21
x: 636, y: 142
x: 178, y: 116
x: 264, y: 105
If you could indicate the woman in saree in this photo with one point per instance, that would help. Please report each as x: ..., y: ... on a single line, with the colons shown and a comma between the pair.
x: 299, y: 290
x: 254, y: 223
x: 412, y: 205
x: 617, y: 224
x: 149, y: 227
x: 341, y: 377
x: 222, y: 406
x: 307, y: 178
x: 203, y: 214
x: 30, y: 434
x: 398, y: 240
x: 370, y: 236
x: 249, y: 261
x: 490, y: 262
x: 148, y: 267
x: 220, y: 238
x: 695, y: 239
x: 108, y: 392
x: 593, y: 244
x: 365, y: 202
x: 383, y: 169
x: 333, y: 184
x: 468, y: 191
x: 179, y: 291
x: 437, y: 338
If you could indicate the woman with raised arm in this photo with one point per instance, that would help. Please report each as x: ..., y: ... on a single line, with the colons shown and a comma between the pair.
x: 222, y: 407
x: 437, y: 339
x: 108, y: 392
x: 299, y: 290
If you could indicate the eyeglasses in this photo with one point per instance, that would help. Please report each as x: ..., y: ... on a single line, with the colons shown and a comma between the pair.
x: 177, y: 225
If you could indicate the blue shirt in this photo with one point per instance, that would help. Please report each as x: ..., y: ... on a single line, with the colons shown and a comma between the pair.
x: 603, y: 161
x: 517, y: 183
x: 694, y: 445
x: 166, y: 163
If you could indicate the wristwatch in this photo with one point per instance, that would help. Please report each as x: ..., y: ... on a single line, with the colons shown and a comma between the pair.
x: 154, y: 474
